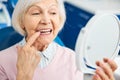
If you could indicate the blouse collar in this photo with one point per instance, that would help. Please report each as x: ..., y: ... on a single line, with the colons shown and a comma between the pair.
x: 48, y: 53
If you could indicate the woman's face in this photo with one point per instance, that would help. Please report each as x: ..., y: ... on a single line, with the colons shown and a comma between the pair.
x: 42, y: 17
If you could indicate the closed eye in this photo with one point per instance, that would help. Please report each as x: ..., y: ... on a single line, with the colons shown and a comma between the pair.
x: 53, y: 13
x: 35, y: 13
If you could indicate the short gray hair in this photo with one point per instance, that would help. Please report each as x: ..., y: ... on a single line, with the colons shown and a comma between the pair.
x: 23, y: 5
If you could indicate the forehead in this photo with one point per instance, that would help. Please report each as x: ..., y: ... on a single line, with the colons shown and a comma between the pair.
x: 43, y: 4
x: 46, y: 3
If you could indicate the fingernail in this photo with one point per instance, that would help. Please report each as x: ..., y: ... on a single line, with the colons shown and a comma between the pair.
x: 105, y: 59
x: 97, y: 63
x: 101, y: 63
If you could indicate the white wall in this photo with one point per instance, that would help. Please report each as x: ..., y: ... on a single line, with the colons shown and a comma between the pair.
x: 97, y: 6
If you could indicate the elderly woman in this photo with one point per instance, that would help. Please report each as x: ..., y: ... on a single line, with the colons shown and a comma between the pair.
x: 37, y: 57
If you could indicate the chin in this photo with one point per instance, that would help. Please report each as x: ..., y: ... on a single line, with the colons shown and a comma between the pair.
x: 44, y: 41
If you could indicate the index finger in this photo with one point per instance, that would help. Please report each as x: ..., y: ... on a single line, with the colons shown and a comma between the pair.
x: 32, y: 39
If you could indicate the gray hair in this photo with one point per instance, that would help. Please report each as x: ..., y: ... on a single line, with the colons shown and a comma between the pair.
x: 23, y: 5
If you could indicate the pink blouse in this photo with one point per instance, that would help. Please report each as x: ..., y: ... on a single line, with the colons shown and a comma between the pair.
x: 62, y: 66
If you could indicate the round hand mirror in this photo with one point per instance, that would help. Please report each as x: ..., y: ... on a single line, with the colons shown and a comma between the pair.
x: 97, y: 40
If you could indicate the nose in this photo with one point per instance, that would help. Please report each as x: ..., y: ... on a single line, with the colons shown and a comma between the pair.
x: 45, y: 19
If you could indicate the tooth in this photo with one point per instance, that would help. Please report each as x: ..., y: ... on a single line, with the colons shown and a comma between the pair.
x: 45, y: 30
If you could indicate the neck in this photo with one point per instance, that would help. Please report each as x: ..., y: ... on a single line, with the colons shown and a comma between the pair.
x: 40, y: 47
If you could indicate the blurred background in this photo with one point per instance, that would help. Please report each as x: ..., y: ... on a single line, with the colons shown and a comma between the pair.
x: 78, y: 13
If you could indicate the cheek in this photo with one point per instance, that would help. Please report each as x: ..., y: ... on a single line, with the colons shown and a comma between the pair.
x: 30, y: 24
x: 56, y: 22
x: 57, y: 25
x: 30, y: 20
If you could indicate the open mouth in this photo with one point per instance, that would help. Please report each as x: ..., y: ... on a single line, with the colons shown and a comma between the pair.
x: 45, y: 31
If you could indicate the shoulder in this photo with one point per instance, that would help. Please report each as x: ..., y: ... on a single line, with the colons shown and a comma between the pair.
x: 65, y: 51
x: 8, y: 59
x: 9, y: 50
x: 8, y: 55
x: 66, y: 56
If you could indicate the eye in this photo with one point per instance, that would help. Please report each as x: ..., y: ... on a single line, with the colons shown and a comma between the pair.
x: 36, y: 13
x: 53, y: 13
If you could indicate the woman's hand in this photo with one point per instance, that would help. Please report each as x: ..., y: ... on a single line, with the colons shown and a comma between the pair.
x: 105, y: 70
x: 28, y: 59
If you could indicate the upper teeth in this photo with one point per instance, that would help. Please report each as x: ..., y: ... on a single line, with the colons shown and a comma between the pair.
x: 45, y: 30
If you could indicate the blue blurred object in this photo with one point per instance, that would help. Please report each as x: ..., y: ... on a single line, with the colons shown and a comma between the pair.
x: 59, y: 41
x: 76, y: 19
x: 118, y: 16
x: 5, y: 19
x: 10, y: 4
x: 9, y: 37
x: 2, y: 25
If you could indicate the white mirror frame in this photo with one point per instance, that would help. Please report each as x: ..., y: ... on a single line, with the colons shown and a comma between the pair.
x: 91, y: 30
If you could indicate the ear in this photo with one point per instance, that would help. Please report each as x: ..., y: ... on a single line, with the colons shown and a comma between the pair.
x: 22, y: 25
